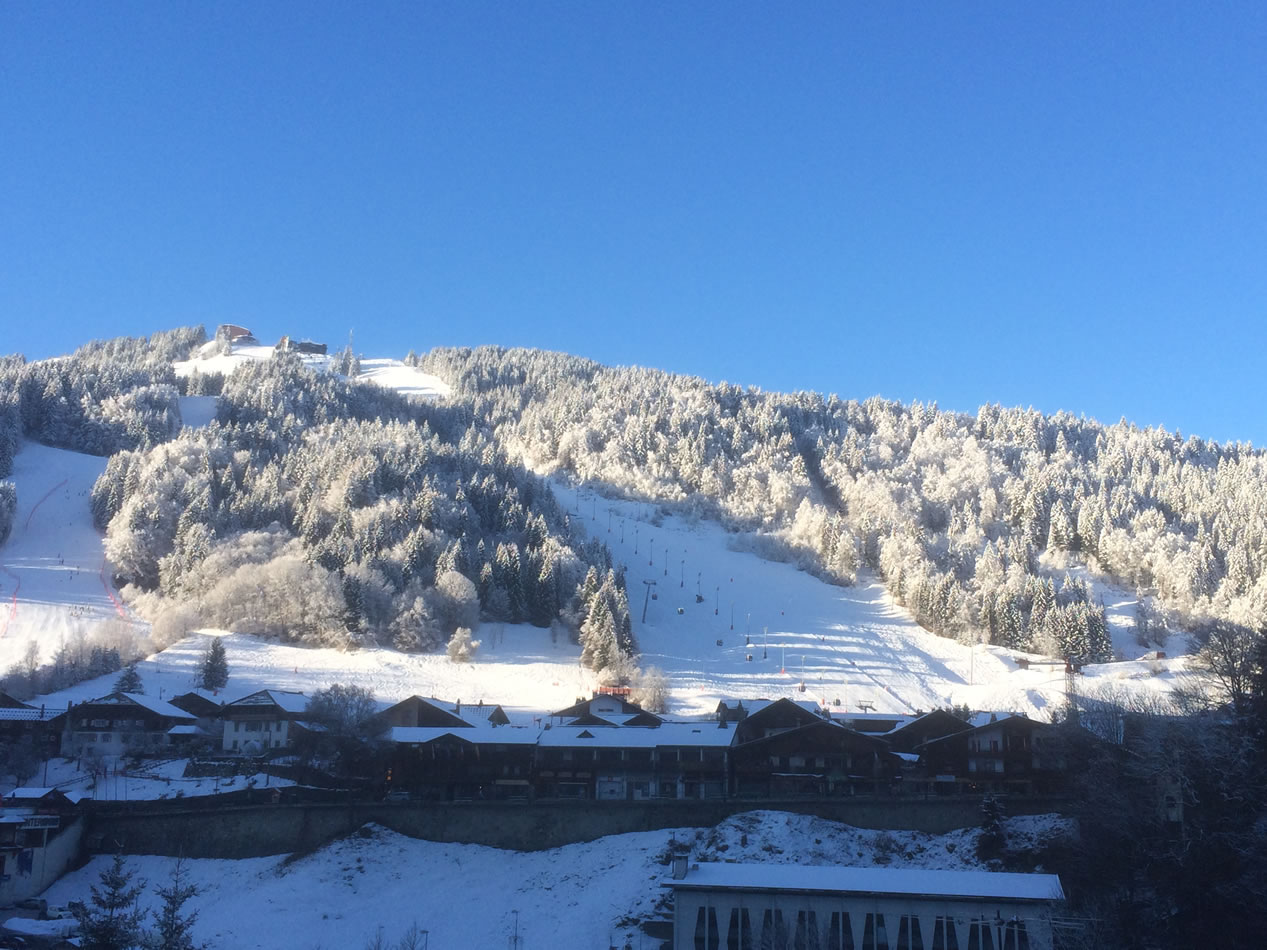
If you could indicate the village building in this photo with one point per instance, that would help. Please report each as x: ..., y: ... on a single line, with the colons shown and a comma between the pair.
x: 41, y: 725
x: 818, y: 759
x: 757, y: 905
x: 126, y: 723
x: 450, y: 752
x: 234, y: 333
x: 634, y: 762
x: 1005, y: 754
x: 759, y: 718
x: 305, y: 347
x: 265, y: 720
x: 40, y: 831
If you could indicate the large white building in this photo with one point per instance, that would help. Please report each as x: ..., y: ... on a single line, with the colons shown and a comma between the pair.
x: 753, y: 906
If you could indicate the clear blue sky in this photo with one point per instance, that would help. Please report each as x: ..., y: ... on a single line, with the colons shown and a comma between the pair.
x: 1060, y: 205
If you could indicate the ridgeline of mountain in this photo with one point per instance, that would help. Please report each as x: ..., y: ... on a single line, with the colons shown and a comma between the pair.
x: 402, y: 520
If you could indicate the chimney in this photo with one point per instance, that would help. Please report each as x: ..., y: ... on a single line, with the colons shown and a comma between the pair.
x: 679, y: 864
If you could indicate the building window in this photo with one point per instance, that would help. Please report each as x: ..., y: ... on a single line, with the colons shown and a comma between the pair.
x: 980, y: 937
x: 944, y: 934
x: 806, y: 936
x: 874, y: 934
x: 908, y: 934
x: 739, y: 933
x: 773, y: 929
x: 839, y: 933
x: 706, y: 934
x: 1015, y: 936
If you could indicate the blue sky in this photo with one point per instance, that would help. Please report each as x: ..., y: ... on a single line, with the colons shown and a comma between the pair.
x: 1060, y: 205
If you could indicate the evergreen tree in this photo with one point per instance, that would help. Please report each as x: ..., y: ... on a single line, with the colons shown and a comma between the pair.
x: 214, y: 673
x: 107, y: 923
x: 174, y: 930
x: 992, y: 840
x: 545, y: 599
x: 129, y: 681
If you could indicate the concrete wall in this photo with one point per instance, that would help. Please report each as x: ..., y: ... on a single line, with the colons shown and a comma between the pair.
x: 257, y: 830
x: 47, y: 865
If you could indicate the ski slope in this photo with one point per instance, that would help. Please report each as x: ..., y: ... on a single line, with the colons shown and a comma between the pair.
x: 720, y: 622
x: 54, y: 581
x: 388, y: 373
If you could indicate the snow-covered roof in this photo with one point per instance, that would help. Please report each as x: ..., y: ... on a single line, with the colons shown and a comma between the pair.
x: 185, y: 730
x: 906, y: 882
x: 875, y: 724
x: 29, y: 794
x: 756, y: 705
x: 287, y: 701
x: 19, y: 714
x: 666, y: 734
x: 481, y: 734
x: 156, y: 706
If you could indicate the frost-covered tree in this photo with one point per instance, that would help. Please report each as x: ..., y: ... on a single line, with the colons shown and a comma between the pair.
x: 462, y: 648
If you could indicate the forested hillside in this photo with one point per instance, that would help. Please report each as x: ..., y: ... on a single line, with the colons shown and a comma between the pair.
x: 326, y: 512
x: 969, y: 519
x: 402, y: 521
x: 106, y: 396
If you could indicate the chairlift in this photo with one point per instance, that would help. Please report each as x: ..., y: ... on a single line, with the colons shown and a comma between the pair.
x: 719, y: 641
x: 655, y: 596
x: 681, y: 610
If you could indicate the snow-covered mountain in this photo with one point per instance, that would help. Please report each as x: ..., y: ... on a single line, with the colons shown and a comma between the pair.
x: 718, y: 619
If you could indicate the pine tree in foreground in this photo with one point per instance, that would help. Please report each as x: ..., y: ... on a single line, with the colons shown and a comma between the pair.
x: 112, y: 921
x: 172, y: 929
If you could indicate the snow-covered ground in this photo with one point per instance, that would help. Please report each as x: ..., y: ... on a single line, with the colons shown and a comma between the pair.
x: 388, y: 373
x: 53, y: 577
x: 154, y: 779
x: 578, y: 897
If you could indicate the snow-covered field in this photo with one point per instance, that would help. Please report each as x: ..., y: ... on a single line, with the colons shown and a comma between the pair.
x: 578, y: 897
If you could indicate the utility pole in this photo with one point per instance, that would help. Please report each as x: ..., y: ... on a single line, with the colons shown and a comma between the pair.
x: 516, y: 941
x: 646, y: 599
